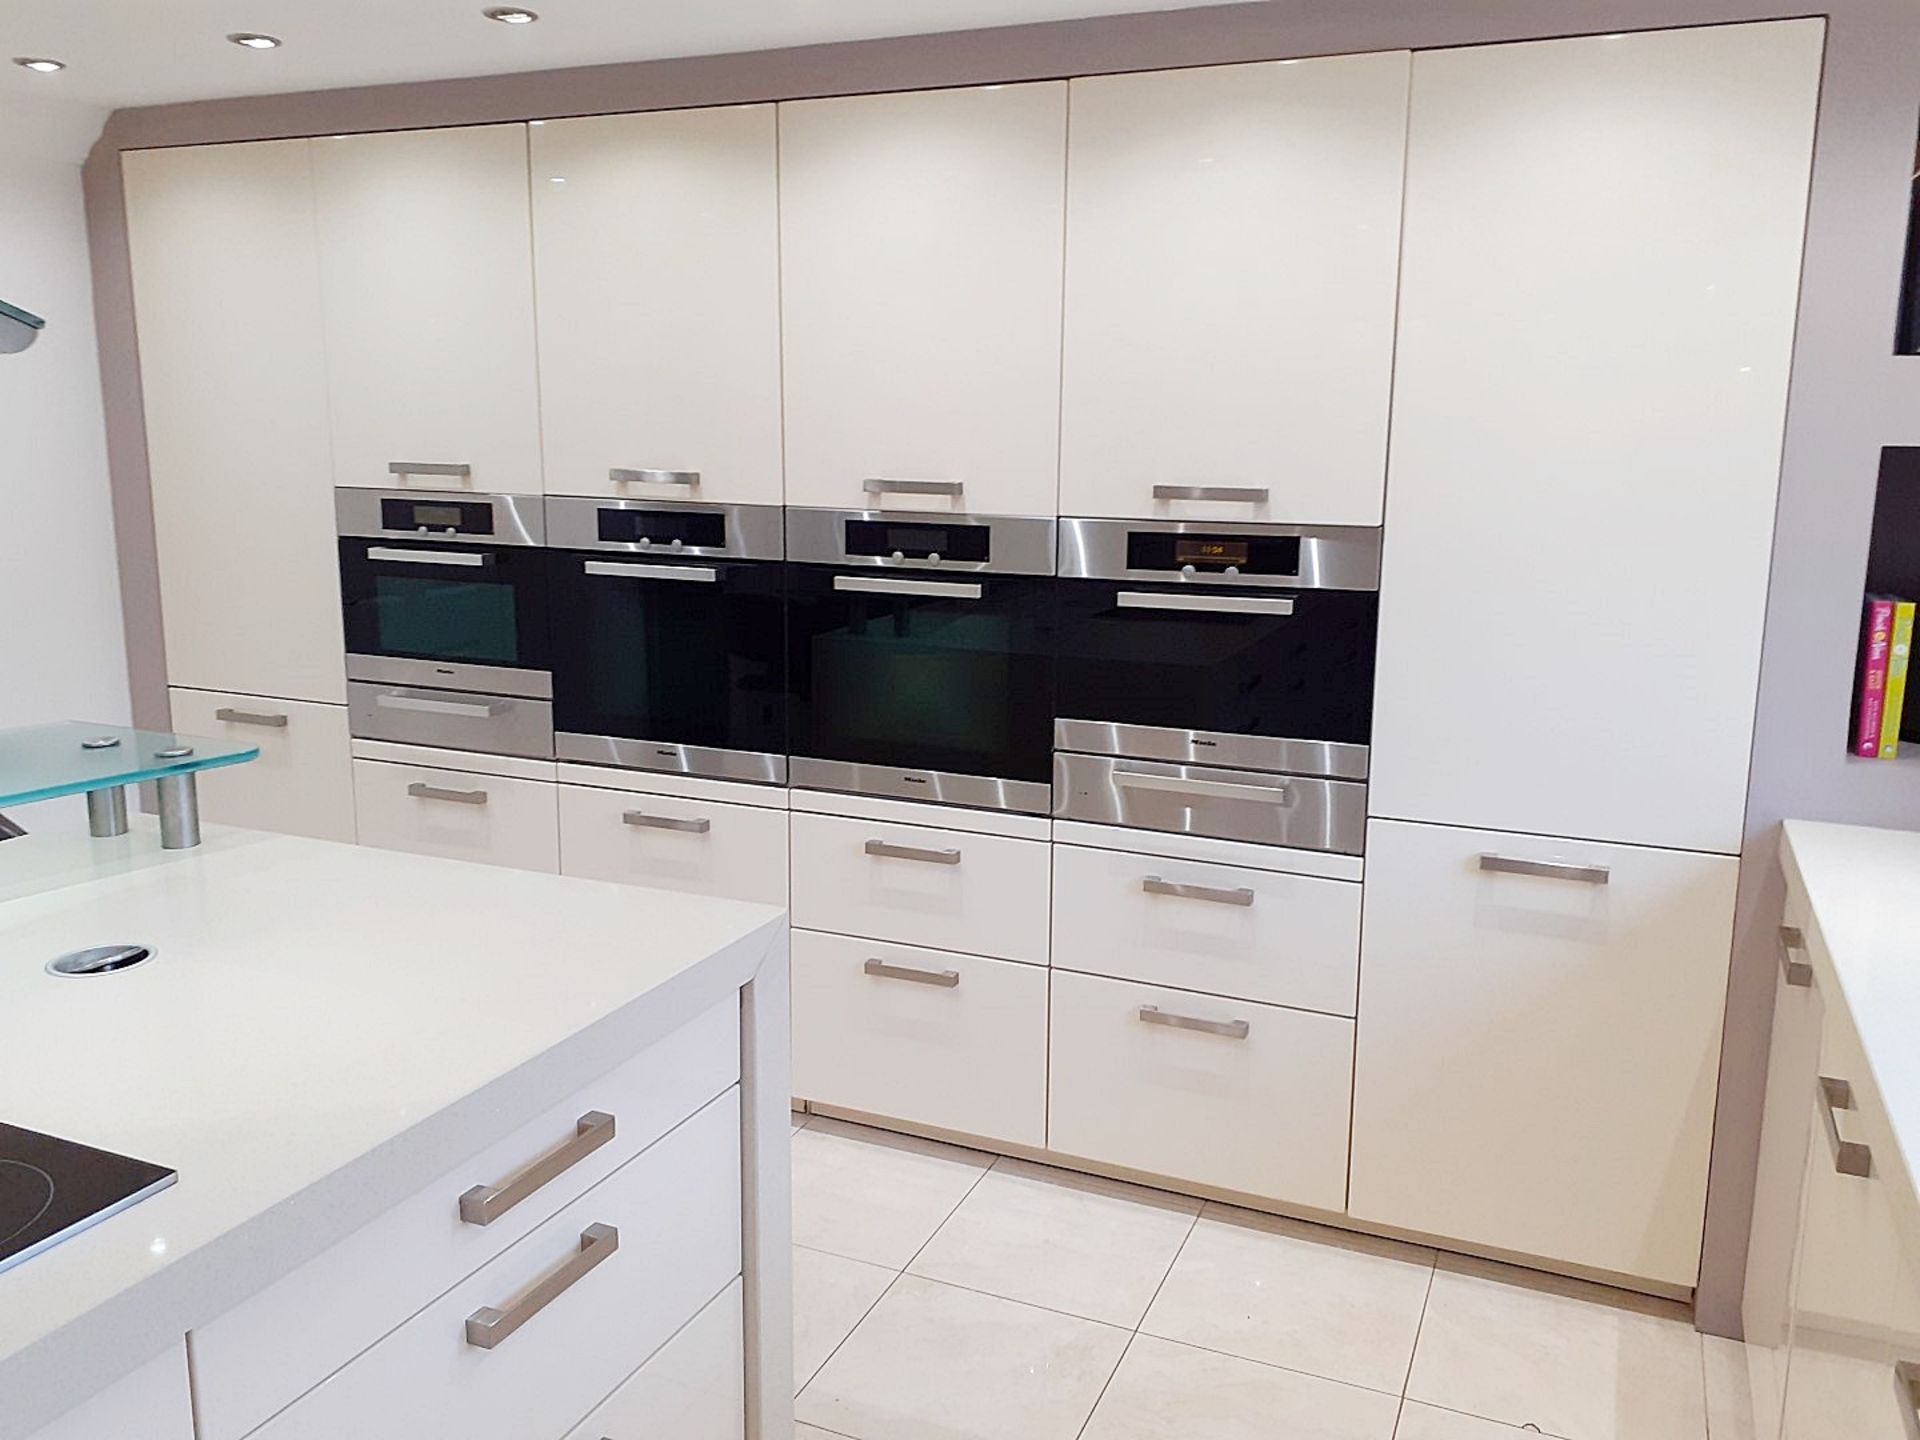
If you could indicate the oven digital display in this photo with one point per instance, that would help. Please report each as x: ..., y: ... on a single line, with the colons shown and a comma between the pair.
x: 1210, y: 552
x: 437, y: 517
x: 901, y: 538
x: 919, y: 542
x: 463, y: 517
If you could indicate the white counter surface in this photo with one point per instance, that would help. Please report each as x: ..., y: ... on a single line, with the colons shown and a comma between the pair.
x: 324, y: 1030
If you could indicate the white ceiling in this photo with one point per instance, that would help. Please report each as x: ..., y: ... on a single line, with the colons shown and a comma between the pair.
x: 142, y: 52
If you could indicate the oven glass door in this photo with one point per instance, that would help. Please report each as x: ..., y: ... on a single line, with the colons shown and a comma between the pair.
x: 683, y: 652
x: 457, y: 604
x: 950, y: 674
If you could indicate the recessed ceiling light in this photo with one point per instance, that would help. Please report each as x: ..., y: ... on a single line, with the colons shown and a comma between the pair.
x: 39, y: 64
x: 510, y: 14
x: 248, y: 40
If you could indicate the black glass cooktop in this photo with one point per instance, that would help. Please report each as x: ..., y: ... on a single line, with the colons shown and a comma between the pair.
x: 52, y: 1188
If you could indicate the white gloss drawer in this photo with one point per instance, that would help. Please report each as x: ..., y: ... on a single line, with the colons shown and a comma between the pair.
x: 694, y: 1387
x: 526, y: 1346
x: 928, y: 1036
x: 246, y: 1367
x: 1284, y: 939
x: 952, y: 889
x: 1227, y: 1093
x: 463, y: 816
x: 694, y: 846
x: 302, y: 784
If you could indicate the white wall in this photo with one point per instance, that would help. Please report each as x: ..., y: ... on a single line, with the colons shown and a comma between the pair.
x: 61, y: 651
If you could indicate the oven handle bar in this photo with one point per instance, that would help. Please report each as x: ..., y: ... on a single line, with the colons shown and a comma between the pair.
x: 466, y: 710
x: 702, y: 574
x: 427, y: 557
x: 1204, y: 789
x: 944, y: 589
x: 1224, y: 604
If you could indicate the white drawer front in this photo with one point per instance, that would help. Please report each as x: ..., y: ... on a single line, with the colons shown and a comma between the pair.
x: 150, y: 1404
x: 300, y: 785
x: 1286, y: 939
x: 458, y: 814
x: 694, y: 846
x: 933, y: 1037
x: 1258, y: 1103
x: 692, y: 1389
x: 982, y: 894
x: 342, y: 1301
x: 676, y: 1211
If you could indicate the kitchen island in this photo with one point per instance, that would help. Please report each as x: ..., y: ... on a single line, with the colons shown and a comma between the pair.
x: 460, y: 1149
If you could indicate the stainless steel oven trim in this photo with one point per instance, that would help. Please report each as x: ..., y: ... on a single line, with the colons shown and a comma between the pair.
x: 1332, y: 557
x: 935, y: 787
x: 1303, y: 813
x: 1018, y: 544
x: 754, y: 532
x: 517, y: 519
x: 1329, y: 758
x: 451, y: 675
x: 498, y: 724
x: 618, y: 752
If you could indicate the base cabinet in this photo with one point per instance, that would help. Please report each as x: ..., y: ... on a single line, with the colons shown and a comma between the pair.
x: 153, y: 1403
x: 494, y: 819
x: 673, y: 843
x: 690, y: 1390
x: 302, y: 784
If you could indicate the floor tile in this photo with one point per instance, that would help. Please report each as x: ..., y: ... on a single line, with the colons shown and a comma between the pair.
x: 1575, y: 1360
x: 1429, y: 1422
x: 813, y: 1432
x: 1164, y: 1391
x: 932, y: 1362
x: 1070, y: 1242
x: 1344, y: 1307
x: 830, y: 1296
x: 874, y: 1196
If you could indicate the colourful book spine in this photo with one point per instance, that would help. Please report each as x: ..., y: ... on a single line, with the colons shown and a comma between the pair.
x: 1873, y: 678
x: 1899, y: 649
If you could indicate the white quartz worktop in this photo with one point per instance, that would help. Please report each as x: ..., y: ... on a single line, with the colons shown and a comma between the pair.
x: 324, y: 1030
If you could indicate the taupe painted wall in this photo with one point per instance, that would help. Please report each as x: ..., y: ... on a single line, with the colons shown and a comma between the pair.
x: 1849, y: 394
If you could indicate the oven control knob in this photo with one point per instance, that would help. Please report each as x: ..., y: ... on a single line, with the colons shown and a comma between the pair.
x: 933, y: 557
x: 1231, y: 570
x: 675, y: 543
x: 645, y: 541
x: 899, y: 555
x: 1187, y: 572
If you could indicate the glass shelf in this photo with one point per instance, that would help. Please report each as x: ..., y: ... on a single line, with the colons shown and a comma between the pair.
x: 43, y: 762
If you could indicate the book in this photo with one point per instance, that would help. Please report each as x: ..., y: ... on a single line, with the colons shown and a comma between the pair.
x: 1874, y: 650
x: 1893, y: 705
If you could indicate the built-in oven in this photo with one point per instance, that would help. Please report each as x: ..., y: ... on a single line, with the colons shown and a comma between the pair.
x: 444, y: 600
x: 920, y: 656
x: 1217, y: 679
x: 669, y: 647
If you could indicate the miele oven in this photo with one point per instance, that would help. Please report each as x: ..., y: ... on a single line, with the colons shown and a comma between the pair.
x: 444, y: 600
x: 920, y: 656
x: 1217, y: 679
x: 669, y: 651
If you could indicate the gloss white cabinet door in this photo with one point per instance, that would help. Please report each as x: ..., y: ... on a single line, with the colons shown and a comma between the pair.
x: 1233, y: 242
x: 1598, y: 287
x: 692, y: 1387
x: 921, y: 262
x: 427, y: 270
x: 302, y: 784
x: 226, y: 294
x: 1539, y: 1043
x: 152, y: 1403
x: 656, y: 242
x: 494, y: 819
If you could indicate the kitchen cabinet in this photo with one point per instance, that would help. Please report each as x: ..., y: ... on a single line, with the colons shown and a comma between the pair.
x: 302, y: 784
x: 1497, y: 1099
x: 657, y: 270
x: 494, y: 819
x: 226, y: 287
x: 699, y: 847
x: 690, y: 1389
x: 152, y: 1403
x: 426, y: 271
x: 1233, y: 238
x: 921, y: 271
x: 1598, y: 285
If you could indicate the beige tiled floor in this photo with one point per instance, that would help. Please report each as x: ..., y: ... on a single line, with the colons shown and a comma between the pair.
x: 941, y: 1294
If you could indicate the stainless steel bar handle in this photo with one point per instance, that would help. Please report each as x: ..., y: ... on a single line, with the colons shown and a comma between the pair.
x: 1200, y: 600
x: 464, y: 558
x: 420, y: 704
x: 888, y: 850
x: 488, y: 1326
x: 1795, y: 972
x: 1248, y: 494
x: 484, y: 1204
x: 945, y: 979
x: 427, y: 467
x: 702, y: 574
x: 1203, y: 789
x: 1850, y: 1157
x: 1232, y: 1029
x: 882, y: 585
x: 883, y: 486
x: 687, y: 478
x: 419, y: 790
x: 250, y: 717
x: 1547, y: 869
x: 1241, y: 895
x: 666, y: 822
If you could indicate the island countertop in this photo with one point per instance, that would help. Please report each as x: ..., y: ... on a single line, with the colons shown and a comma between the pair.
x: 323, y: 1030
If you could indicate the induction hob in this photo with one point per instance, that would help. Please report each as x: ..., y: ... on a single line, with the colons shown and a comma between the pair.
x: 52, y: 1188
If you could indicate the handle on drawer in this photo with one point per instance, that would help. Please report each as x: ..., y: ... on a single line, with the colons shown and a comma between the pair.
x: 394, y: 555
x: 465, y: 709
x: 1240, y: 895
x: 946, y: 979
x: 1232, y: 1029
x: 887, y: 850
x: 428, y: 467
x: 883, y: 486
x: 1546, y: 869
x: 1792, y: 943
x: 250, y: 717
x: 484, y: 1204
x: 1248, y: 494
x: 1210, y: 604
x: 698, y: 574
x: 1850, y: 1157
x: 420, y: 790
x: 665, y: 822
x: 488, y: 1326
x: 687, y: 478
x: 1202, y: 789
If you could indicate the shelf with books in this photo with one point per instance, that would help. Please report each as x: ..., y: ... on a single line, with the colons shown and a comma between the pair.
x: 1885, y: 720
